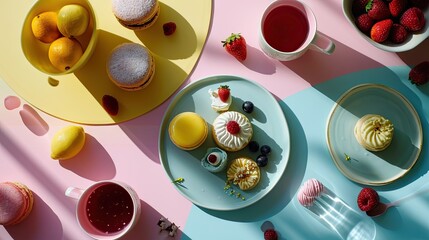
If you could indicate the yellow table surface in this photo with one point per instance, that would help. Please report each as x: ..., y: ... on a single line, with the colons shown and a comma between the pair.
x: 77, y: 96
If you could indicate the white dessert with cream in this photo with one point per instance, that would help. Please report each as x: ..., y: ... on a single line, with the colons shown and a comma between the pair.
x: 217, y: 104
x: 232, y: 131
x: 374, y: 132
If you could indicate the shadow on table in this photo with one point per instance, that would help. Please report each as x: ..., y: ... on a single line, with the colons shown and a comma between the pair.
x: 284, y: 191
x: 42, y: 223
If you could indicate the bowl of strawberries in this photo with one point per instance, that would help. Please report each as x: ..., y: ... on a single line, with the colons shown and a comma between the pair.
x: 391, y: 25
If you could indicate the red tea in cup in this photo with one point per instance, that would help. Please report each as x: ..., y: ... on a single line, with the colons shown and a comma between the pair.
x: 285, y: 28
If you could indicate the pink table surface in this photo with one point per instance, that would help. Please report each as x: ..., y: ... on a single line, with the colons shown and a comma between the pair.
x: 129, y: 151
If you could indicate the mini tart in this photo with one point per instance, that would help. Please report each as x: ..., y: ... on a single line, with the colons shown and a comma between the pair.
x: 243, y: 172
x: 217, y: 104
x: 188, y: 130
x: 220, y: 163
x: 374, y: 132
x: 228, y: 141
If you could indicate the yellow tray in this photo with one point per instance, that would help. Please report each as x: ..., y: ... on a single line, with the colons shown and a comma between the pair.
x: 77, y: 97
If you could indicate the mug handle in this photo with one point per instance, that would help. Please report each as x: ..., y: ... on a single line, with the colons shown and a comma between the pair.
x: 323, y: 44
x: 74, y: 192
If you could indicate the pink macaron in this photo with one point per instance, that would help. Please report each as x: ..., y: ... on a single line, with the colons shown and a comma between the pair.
x: 16, y: 203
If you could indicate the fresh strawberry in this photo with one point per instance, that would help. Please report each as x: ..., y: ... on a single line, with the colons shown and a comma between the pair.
x: 422, y: 4
x: 236, y: 46
x: 358, y: 7
x: 419, y: 74
x: 367, y: 199
x: 364, y: 23
x: 413, y: 19
x: 223, y: 92
x: 397, y: 7
x: 377, y: 9
x: 398, y: 33
x: 110, y: 104
x: 169, y: 28
x: 233, y: 127
x: 381, y: 30
x: 270, y: 234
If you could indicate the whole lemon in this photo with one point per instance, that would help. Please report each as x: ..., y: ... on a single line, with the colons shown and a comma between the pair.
x: 64, y: 53
x: 67, y: 142
x: 73, y: 20
x: 44, y: 27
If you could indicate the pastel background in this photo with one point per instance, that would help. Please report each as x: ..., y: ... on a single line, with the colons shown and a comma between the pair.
x: 306, y: 89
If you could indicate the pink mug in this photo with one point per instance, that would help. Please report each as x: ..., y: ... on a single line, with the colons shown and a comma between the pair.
x: 106, y: 209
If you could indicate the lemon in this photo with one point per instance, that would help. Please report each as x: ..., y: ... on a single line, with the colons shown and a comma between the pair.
x: 73, y: 20
x: 67, y: 142
x: 44, y: 27
x: 64, y: 53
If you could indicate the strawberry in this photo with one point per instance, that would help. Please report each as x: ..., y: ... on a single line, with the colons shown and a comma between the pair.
x: 381, y: 30
x: 367, y: 199
x: 223, y: 92
x: 236, y: 46
x: 398, y: 33
x: 397, y: 7
x: 377, y: 9
x: 270, y: 234
x: 419, y: 74
x: 358, y: 7
x: 413, y: 19
x: 233, y: 127
x: 169, y: 28
x: 110, y: 104
x: 364, y: 23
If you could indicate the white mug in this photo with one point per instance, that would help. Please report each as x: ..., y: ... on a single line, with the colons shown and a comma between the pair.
x: 288, y: 29
x: 101, y: 199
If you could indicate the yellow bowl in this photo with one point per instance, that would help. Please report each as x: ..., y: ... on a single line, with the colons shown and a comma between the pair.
x: 36, y: 51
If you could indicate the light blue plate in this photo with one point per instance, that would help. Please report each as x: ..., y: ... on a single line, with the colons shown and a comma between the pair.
x: 366, y: 167
x: 202, y: 187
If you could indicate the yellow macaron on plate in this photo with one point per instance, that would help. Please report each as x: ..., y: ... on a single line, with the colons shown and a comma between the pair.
x: 77, y: 97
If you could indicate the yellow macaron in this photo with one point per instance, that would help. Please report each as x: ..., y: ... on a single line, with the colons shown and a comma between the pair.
x: 188, y: 130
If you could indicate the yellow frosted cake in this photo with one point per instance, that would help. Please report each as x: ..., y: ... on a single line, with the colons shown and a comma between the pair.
x: 374, y: 132
x: 232, y: 131
x: 243, y: 172
x: 188, y: 130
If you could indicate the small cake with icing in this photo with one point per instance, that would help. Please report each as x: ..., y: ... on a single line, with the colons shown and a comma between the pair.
x: 374, y: 132
x: 243, y: 172
x: 215, y: 160
x: 188, y: 130
x: 221, y: 98
x: 232, y: 131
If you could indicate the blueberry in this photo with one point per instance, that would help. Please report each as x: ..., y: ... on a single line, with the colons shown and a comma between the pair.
x: 253, y: 146
x: 248, y: 106
x: 265, y: 149
x: 262, y: 160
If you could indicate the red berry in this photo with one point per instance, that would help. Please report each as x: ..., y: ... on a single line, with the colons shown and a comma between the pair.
x: 233, y: 127
x: 223, y: 92
x: 236, y: 46
x: 169, y: 28
x: 381, y: 30
x: 397, y: 7
x: 398, y: 33
x: 419, y: 74
x: 377, y: 9
x: 110, y: 104
x: 364, y: 23
x: 367, y: 199
x: 212, y: 158
x: 270, y: 234
x: 358, y: 7
x: 413, y: 19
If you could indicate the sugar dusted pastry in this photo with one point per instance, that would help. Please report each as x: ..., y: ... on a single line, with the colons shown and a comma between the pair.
x: 243, y: 172
x: 232, y: 131
x: 374, y: 132
x: 221, y: 98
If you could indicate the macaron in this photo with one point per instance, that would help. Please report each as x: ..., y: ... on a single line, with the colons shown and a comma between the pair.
x: 188, y: 130
x: 131, y: 66
x: 16, y: 203
x: 136, y: 14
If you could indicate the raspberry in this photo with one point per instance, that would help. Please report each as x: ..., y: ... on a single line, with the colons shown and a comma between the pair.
x: 368, y: 199
x: 233, y: 127
x: 110, y: 104
x: 270, y: 234
x: 169, y: 28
